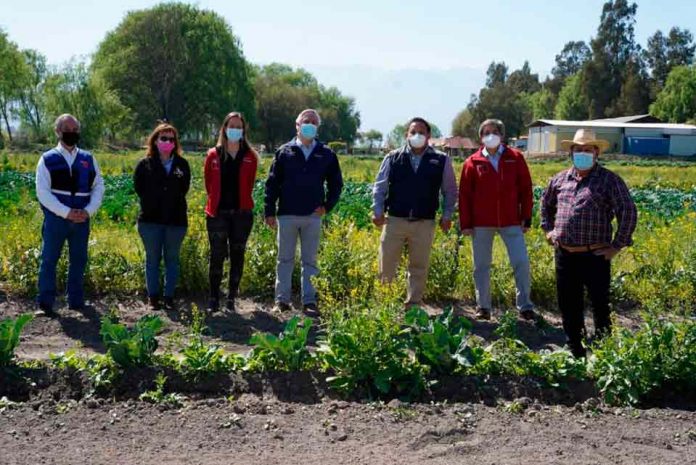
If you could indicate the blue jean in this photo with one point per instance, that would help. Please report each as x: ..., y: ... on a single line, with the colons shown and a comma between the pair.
x: 161, y: 240
x: 54, y: 233
x: 513, y: 238
x: 308, y: 229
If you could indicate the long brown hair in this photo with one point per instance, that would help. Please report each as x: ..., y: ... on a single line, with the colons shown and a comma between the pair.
x: 152, y: 139
x: 243, y: 143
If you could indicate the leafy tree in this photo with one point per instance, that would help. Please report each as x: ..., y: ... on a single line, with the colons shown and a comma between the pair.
x: 634, y: 98
x: 496, y: 74
x: 179, y: 63
x: 372, y: 137
x: 397, y: 136
x: 12, y: 78
x: 540, y: 104
x: 435, y: 131
x: 339, y: 118
x: 571, y: 59
x: 31, y: 99
x: 572, y: 104
x: 73, y: 90
x: 522, y: 80
x: 676, y: 102
x: 664, y: 53
x: 462, y: 125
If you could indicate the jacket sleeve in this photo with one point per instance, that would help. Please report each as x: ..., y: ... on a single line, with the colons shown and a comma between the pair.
x: 187, y: 178
x: 525, y: 192
x: 139, y: 181
x: 466, y: 192
x: 206, y: 173
x: 334, y: 184
x: 549, y: 201
x: 273, y: 185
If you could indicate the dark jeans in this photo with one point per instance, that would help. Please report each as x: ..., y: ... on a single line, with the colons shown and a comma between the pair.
x: 574, y: 273
x: 55, y: 232
x: 228, y: 233
x: 161, y: 240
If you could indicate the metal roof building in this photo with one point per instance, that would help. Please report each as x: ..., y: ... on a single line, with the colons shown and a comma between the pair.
x: 634, y: 138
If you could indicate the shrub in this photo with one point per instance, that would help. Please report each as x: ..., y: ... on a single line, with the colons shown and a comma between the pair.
x: 10, y: 330
x: 131, y: 347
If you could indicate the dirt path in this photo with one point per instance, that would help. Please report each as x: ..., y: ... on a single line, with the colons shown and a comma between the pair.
x: 253, y: 430
x: 80, y: 330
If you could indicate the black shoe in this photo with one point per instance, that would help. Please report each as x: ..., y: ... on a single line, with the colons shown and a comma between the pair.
x: 483, y: 314
x: 168, y: 303
x: 47, y: 310
x: 528, y: 314
x: 77, y: 307
x: 578, y: 350
x: 311, y: 310
x: 153, y: 303
x: 229, y: 305
x: 281, y: 307
x: 213, y: 305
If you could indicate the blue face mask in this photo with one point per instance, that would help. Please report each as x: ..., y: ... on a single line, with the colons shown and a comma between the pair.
x: 583, y: 160
x: 308, y: 131
x: 234, y: 134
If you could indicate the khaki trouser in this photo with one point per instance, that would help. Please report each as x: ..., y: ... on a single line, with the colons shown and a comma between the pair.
x: 418, y: 236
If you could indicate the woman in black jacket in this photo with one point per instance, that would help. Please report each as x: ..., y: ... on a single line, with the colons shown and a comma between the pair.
x: 161, y: 181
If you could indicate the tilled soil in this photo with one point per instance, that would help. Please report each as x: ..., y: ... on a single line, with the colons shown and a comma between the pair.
x: 254, y: 430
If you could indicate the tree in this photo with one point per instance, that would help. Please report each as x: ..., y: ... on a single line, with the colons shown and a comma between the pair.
x: 31, y: 99
x: 179, y: 63
x: 496, y: 74
x: 572, y: 58
x: 397, y: 136
x: 372, y: 137
x: 540, y: 104
x: 635, y: 92
x: 664, y: 53
x: 612, y: 49
x: 339, y: 118
x: 522, y: 80
x: 74, y: 90
x: 13, y: 76
x: 435, y: 131
x: 676, y: 102
x: 462, y: 125
x: 572, y: 104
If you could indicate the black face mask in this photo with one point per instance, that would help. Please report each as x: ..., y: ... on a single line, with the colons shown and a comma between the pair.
x: 70, y: 138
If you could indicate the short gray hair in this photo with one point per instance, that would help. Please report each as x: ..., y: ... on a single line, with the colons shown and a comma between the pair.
x: 62, y: 118
x: 298, y: 120
x: 492, y: 122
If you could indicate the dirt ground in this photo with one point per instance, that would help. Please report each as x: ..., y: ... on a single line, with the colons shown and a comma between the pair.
x: 259, y: 427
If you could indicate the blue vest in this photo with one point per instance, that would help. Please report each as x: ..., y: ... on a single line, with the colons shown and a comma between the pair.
x: 415, y: 195
x: 73, y: 188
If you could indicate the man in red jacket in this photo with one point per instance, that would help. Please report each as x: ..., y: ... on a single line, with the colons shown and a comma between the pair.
x: 495, y: 196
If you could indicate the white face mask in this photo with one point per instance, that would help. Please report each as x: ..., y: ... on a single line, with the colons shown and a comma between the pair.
x: 491, y: 141
x: 416, y: 140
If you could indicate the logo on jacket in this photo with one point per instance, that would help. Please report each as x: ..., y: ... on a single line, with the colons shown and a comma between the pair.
x: 435, y: 161
x: 482, y: 169
x: 178, y: 173
x: 85, y: 164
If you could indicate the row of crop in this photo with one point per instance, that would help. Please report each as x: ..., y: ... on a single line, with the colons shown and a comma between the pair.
x: 373, y: 354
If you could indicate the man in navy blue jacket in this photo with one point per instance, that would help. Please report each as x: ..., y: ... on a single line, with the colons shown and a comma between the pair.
x: 304, y: 183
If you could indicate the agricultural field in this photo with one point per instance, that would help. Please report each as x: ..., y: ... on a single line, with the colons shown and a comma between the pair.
x: 368, y: 382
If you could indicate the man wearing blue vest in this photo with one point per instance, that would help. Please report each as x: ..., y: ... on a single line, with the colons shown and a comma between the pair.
x: 70, y: 189
x: 304, y: 183
x: 408, y: 188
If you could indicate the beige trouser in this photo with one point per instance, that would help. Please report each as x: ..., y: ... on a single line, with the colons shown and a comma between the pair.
x: 418, y: 235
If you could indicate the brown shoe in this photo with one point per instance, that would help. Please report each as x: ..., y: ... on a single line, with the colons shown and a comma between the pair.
x: 483, y: 314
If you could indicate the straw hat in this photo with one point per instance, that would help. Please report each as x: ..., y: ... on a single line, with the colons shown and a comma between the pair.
x: 585, y: 137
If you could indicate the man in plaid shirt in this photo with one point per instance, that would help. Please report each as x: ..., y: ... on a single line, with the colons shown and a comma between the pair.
x: 577, y: 210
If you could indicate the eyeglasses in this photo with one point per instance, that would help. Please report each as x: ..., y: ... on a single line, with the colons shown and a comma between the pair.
x: 167, y: 139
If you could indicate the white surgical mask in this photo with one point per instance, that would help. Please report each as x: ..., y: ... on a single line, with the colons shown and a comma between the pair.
x: 416, y: 140
x: 491, y: 141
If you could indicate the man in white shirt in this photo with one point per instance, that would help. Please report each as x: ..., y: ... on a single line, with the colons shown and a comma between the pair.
x: 70, y: 189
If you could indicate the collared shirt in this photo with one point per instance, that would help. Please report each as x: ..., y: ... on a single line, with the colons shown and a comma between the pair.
x: 579, y: 211
x: 50, y: 201
x: 414, y: 157
x: 494, y: 158
x: 306, y: 150
x: 448, y: 189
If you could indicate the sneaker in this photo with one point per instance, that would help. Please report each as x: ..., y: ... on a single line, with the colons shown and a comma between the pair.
x: 229, y: 305
x: 168, y: 303
x: 311, y: 310
x: 281, y: 307
x: 213, y: 305
x: 153, y: 302
x: 483, y: 314
x: 528, y: 314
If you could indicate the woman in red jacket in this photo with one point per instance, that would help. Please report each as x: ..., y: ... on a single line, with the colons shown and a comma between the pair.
x: 495, y: 196
x: 230, y: 173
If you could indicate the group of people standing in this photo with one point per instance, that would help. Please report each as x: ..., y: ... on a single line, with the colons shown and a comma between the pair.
x: 304, y: 182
